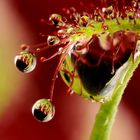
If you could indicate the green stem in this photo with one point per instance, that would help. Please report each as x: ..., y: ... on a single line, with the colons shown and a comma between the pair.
x: 106, y: 115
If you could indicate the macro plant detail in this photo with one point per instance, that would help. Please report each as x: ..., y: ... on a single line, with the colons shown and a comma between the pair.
x: 43, y: 110
x: 98, y: 52
x: 25, y: 62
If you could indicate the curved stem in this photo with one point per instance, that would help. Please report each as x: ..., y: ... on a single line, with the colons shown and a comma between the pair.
x: 106, y: 115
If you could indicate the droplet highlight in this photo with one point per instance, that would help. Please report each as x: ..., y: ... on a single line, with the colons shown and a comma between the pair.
x: 25, y: 62
x: 43, y: 110
x: 53, y: 40
x: 56, y: 20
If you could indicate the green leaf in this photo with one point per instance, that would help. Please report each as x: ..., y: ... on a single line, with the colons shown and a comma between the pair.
x: 106, y: 115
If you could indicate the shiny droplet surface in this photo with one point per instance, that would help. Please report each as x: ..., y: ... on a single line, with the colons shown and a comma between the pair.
x: 107, y: 10
x: 61, y: 33
x: 56, y: 19
x: 25, y: 61
x: 53, y: 40
x: 84, y: 20
x: 43, y: 110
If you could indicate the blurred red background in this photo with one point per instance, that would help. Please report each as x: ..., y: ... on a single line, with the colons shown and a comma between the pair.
x: 20, y: 23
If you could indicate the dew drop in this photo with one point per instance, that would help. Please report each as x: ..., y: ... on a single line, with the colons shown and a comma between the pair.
x: 60, y: 49
x: 53, y: 40
x: 43, y: 110
x: 56, y: 20
x: 84, y: 20
x: 136, y: 4
x: 70, y: 30
x: 107, y: 10
x: 61, y: 33
x: 25, y: 61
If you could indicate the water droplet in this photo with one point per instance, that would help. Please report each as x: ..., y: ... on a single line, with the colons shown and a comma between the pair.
x: 53, y: 40
x: 70, y: 30
x: 60, y: 49
x: 43, y: 110
x: 107, y: 10
x: 136, y: 4
x: 61, y: 33
x: 84, y: 20
x: 25, y: 61
x: 56, y: 19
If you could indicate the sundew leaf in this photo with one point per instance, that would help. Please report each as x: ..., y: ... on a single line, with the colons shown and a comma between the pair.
x: 86, y: 33
x: 106, y: 115
x: 99, y: 54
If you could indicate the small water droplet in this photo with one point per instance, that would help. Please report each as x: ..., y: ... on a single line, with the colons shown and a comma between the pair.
x: 61, y: 33
x: 84, y: 20
x: 107, y: 10
x: 70, y: 30
x: 60, y: 49
x: 136, y: 4
x: 53, y: 40
x: 56, y: 20
x: 43, y: 110
x: 25, y: 61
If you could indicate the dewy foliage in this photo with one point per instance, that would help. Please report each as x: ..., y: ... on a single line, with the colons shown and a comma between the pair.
x: 75, y: 44
x: 87, y: 32
x: 107, y: 112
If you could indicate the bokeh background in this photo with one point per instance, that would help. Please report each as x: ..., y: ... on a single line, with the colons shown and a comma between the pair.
x: 20, y: 23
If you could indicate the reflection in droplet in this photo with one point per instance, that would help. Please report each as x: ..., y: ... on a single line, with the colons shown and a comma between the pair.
x: 53, y: 40
x: 56, y: 19
x: 43, y: 110
x: 25, y: 61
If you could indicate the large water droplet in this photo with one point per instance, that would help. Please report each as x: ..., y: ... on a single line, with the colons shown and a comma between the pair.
x: 25, y: 61
x: 43, y: 110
